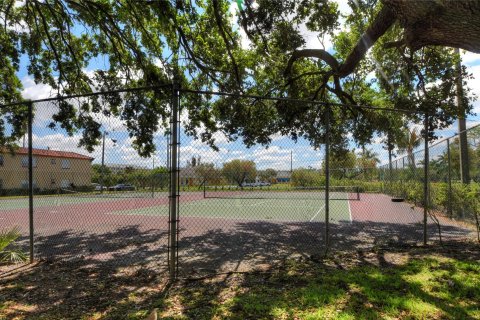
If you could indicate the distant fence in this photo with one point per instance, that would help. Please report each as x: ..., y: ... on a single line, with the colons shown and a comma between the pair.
x: 448, y: 194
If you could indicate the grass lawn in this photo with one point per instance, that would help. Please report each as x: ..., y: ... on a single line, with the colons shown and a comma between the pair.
x: 418, y: 283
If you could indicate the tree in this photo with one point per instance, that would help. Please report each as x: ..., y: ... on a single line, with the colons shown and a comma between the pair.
x: 368, y: 159
x: 239, y: 171
x: 462, y: 124
x: 144, y: 41
x: 367, y: 162
x: 141, y: 178
x: 303, y: 177
x: 106, y: 178
x: 341, y: 164
x: 194, y: 162
x: 408, y: 142
x: 160, y: 176
x: 267, y: 175
x: 207, y: 173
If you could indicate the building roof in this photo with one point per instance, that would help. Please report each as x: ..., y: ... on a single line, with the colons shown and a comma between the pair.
x: 284, y: 174
x: 53, y: 153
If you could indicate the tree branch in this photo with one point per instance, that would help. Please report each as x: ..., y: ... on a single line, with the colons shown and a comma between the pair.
x: 311, y: 53
x: 218, y: 19
x: 382, y: 22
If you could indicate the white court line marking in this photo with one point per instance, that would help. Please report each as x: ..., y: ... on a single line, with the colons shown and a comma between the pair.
x: 256, y: 204
x: 316, y: 214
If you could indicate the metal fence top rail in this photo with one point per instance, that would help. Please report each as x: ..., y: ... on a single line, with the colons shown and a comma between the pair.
x: 217, y: 93
x: 323, y: 103
x: 84, y: 95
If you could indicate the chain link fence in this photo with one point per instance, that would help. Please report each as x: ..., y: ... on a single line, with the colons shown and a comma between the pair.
x: 189, y: 208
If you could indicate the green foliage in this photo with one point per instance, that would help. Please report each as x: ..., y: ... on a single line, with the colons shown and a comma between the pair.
x: 208, y: 173
x: 307, y: 178
x: 198, y: 43
x: 7, y: 252
x: 104, y: 174
x: 408, y: 141
x: 141, y: 178
x: 239, y: 171
x: 267, y: 175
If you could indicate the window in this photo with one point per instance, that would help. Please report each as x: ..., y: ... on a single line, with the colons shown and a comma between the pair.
x: 25, y: 162
x: 65, y: 164
x: 65, y: 184
x: 52, y: 161
x: 1, y: 160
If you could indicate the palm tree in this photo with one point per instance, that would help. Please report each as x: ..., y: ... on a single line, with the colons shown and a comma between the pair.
x: 367, y: 162
x: 369, y: 158
x: 408, y: 142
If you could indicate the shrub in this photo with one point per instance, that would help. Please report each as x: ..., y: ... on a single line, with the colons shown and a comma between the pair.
x: 8, y: 253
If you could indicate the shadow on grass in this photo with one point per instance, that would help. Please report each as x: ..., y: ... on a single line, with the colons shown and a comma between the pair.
x: 121, y: 272
x: 428, y: 285
x: 207, y: 246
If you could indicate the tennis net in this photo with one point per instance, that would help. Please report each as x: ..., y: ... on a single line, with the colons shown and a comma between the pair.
x: 273, y: 192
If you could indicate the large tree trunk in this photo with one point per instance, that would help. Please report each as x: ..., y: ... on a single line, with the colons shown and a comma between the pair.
x: 462, y: 126
x: 448, y: 23
x: 439, y: 22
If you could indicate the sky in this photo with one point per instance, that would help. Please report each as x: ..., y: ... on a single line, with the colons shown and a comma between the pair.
x: 119, y: 150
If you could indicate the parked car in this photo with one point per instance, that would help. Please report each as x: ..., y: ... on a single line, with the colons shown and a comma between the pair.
x: 122, y: 187
x: 98, y: 187
x: 264, y: 184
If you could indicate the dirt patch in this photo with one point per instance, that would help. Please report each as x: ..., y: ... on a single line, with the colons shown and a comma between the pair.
x: 74, y: 290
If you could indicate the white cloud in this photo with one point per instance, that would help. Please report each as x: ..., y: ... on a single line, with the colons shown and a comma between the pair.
x: 34, y: 91
x: 470, y: 58
x: 474, y: 85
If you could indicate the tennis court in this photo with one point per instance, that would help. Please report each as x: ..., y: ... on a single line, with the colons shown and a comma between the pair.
x: 285, y: 205
x: 217, y: 228
x: 273, y: 206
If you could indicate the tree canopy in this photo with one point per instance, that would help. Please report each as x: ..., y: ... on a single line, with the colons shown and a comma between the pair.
x: 391, y: 53
x: 239, y: 171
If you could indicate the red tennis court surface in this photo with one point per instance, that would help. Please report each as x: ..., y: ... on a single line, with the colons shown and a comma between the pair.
x: 97, y: 232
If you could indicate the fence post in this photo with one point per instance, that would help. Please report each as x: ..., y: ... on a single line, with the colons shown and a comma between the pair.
x: 390, y: 165
x: 449, y: 177
x: 102, y: 172
x: 30, y: 177
x: 402, y: 175
x: 327, y: 179
x: 425, y: 183
x: 173, y: 196
x: 395, y: 193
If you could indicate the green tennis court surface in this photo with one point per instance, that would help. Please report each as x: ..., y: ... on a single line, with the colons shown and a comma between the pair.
x: 22, y: 203
x: 79, y: 198
x: 253, y: 209
x: 274, y: 206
